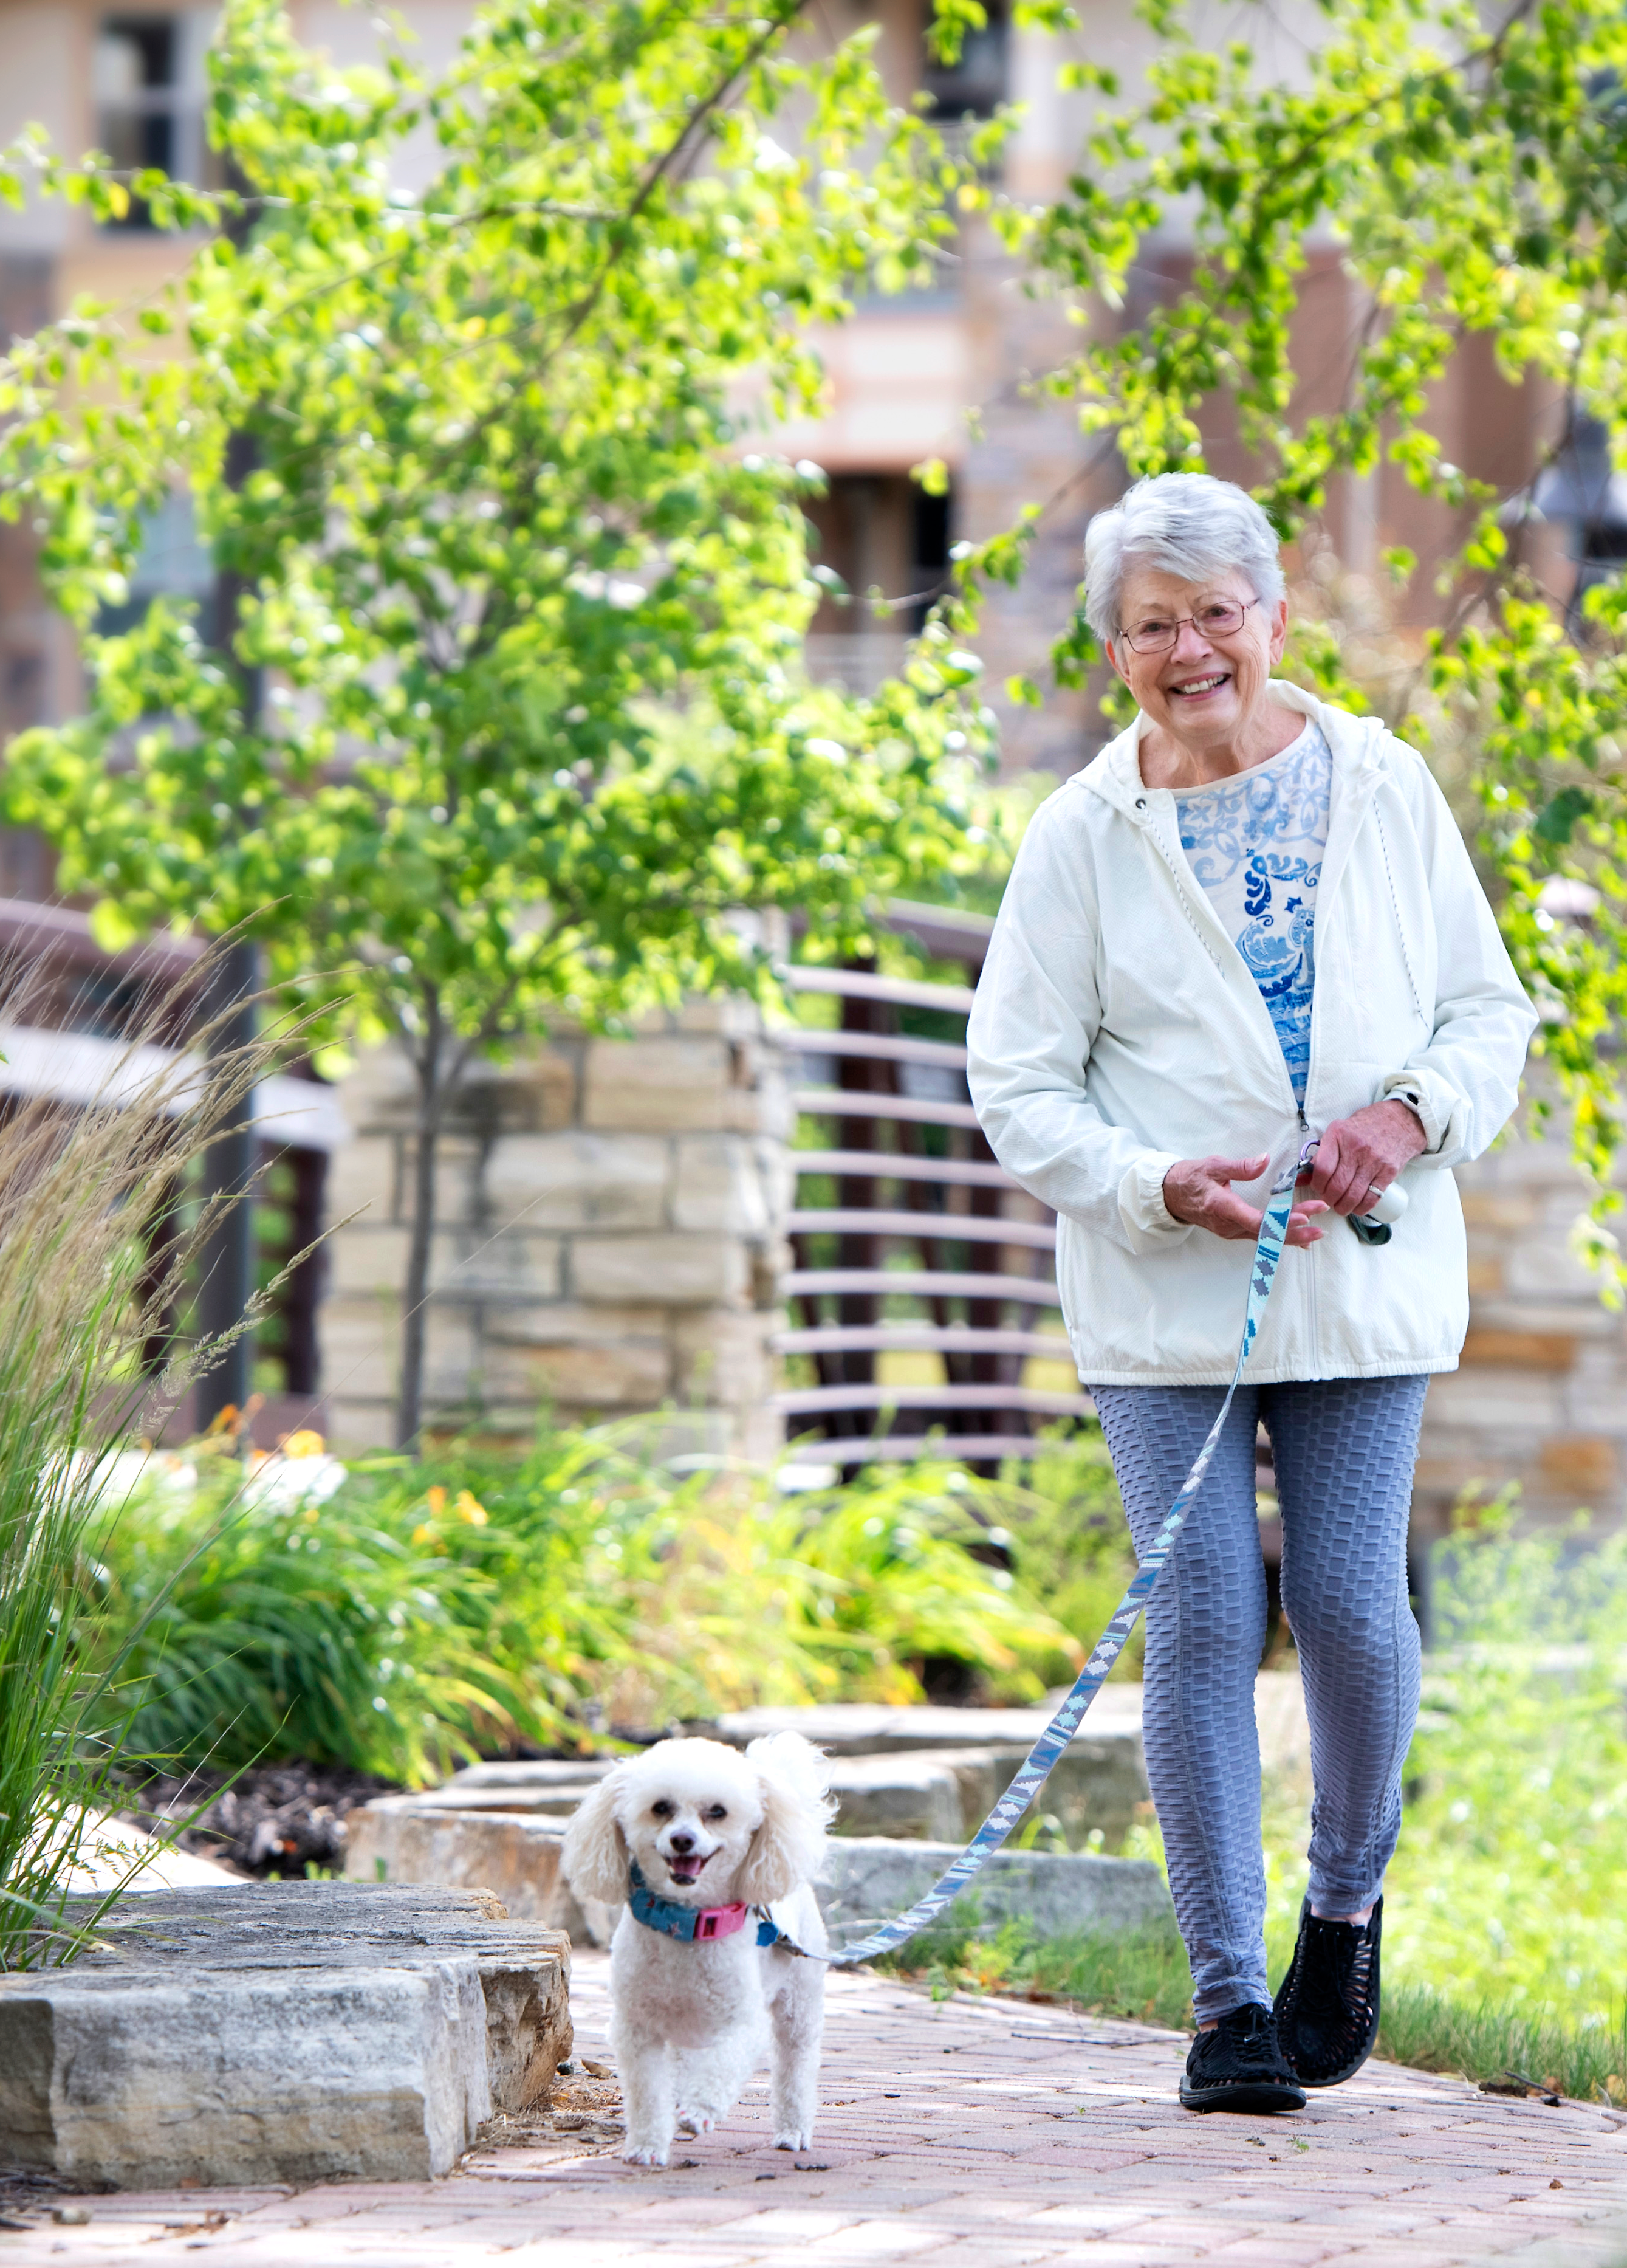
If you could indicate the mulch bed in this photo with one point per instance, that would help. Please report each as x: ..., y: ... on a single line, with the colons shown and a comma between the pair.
x: 272, y: 1819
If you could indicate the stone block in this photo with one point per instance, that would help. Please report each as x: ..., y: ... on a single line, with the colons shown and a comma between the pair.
x: 355, y: 1424
x: 1521, y: 1350
x: 279, y: 2033
x: 519, y: 1777
x: 1507, y: 1210
x: 627, y: 1374
x: 723, y: 1355
x: 674, y: 1270
x: 854, y: 1728
x: 1055, y: 1893
x: 535, y: 1093
x: 457, y: 1161
x: 1579, y: 1466
x: 570, y: 1323
x: 305, y: 2077
x: 381, y: 1090
x: 361, y: 1347
x: 718, y: 1186
x: 515, y: 1266
x: 527, y: 2027
x: 514, y: 1855
x: 1491, y: 1400
x: 365, y: 1259
x: 451, y: 1352
x: 913, y: 1795
x: 1539, y: 1268
x: 577, y: 1180
x: 659, y: 1084
x: 1099, y: 1781
x: 362, y: 1180
x: 733, y: 1015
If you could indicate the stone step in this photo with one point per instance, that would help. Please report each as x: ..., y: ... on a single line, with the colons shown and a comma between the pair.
x: 513, y: 1854
x: 932, y: 1795
x: 866, y: 1878
x: 862, y: 1728
x: 539, y: 1771
x: 870, y: 1878
x: 288, y: 2032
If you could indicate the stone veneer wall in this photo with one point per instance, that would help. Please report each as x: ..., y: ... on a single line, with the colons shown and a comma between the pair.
x: 607, y: 1236
x: 1540, y: 1394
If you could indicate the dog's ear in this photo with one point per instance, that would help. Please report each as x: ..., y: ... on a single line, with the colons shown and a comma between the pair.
x: 787, y: 1848
x: 595, y: 1856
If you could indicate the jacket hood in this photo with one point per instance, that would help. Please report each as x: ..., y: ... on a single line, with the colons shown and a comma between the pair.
x: 1115, y: 774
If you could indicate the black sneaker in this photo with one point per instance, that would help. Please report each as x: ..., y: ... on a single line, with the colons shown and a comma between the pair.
x: 1239, y: 2065
x: 1328, y: 2004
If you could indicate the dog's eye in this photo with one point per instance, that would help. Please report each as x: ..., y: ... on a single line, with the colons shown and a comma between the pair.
x: 716, y: 1811
x: 661, y: 1810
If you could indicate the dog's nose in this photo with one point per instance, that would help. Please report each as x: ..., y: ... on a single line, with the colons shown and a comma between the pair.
x: 681, y: 1843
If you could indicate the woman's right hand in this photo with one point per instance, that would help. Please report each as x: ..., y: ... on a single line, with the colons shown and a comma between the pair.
x: 1199, y: 1190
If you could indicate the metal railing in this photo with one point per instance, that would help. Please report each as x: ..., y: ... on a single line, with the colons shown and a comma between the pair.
x: 910, y: 1240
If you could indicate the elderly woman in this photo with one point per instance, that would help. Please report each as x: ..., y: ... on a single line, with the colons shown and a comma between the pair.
x: 1251, y: 922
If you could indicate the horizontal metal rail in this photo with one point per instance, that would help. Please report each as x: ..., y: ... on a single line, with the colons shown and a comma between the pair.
x: 895, y: 1166
x: 936, y: 1227
x: 880, y: 1046
x: 921, y: 1338
x: 900, y: 991
x: 807, y: 1401
x: 901, y: 1109
x: 918, y: 1448
x: 919, y: 1284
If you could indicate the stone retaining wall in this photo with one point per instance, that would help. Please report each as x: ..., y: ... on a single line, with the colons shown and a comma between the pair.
x: 607, y: 1235
x: 1540, y: 1397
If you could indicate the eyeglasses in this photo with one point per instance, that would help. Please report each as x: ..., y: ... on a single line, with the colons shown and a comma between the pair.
x: 1221, y: 618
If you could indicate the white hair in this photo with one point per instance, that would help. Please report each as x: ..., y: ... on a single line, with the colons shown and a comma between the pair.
x: 1188, y: 524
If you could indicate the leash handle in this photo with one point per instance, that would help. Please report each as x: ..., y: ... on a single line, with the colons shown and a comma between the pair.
x: 1376, y: 1224
x: 1037, y: 1767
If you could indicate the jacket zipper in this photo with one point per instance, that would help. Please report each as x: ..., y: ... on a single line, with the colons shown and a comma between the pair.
x: 1310, y: 1257
x: 1298, y: 1109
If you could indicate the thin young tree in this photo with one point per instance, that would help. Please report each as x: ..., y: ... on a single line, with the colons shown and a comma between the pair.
x: 526, y: 602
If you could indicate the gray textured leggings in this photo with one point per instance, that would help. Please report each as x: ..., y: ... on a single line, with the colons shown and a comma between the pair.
x: 1344, y: 1449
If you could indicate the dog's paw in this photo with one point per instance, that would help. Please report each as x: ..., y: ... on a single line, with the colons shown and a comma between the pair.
x: 696, y: 2122
x: 797, y: 2138
x: 633, y: 2155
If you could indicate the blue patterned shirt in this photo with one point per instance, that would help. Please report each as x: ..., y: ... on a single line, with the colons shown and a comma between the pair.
x: 1257, y: 844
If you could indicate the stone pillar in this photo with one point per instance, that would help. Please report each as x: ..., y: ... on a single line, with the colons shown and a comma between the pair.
x: 607, y: 1244
x: 1540, y: 1394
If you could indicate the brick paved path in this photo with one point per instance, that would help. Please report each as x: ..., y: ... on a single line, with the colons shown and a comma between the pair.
x: 989, y: 2134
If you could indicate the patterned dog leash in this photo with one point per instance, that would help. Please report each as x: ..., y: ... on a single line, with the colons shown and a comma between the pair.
x: 1034, y: 1773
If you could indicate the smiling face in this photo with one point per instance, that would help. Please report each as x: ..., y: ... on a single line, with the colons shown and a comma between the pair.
x: 688, y: 1810
x: 1206, y: 692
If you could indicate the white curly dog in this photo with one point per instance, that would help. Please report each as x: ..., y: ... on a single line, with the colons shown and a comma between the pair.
x: 689, y: 1838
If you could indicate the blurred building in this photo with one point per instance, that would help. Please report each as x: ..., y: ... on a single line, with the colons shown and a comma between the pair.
x: 947, y: 372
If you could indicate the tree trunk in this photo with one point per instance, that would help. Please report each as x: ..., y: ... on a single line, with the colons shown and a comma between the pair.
x: 431, y: 1101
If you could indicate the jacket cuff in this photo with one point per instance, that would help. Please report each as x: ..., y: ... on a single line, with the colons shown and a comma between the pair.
x: 1148, y: 1221
x: 1433, y: 1101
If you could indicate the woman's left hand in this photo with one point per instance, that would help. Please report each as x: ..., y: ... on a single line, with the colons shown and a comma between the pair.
x: 1360, y: 1156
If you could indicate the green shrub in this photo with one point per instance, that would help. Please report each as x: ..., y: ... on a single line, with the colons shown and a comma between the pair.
x: 428, y: 1613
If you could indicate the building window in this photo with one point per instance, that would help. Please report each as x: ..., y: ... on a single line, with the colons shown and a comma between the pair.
x: 173, y: 563
x: 881, y: 532
x: 148, y: 85
x: 974, y: 86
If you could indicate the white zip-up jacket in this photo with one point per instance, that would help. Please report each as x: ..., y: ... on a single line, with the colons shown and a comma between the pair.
x: 1116, y: 1030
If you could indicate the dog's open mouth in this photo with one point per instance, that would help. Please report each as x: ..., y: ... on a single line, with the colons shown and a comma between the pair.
x: 685, y: 1866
